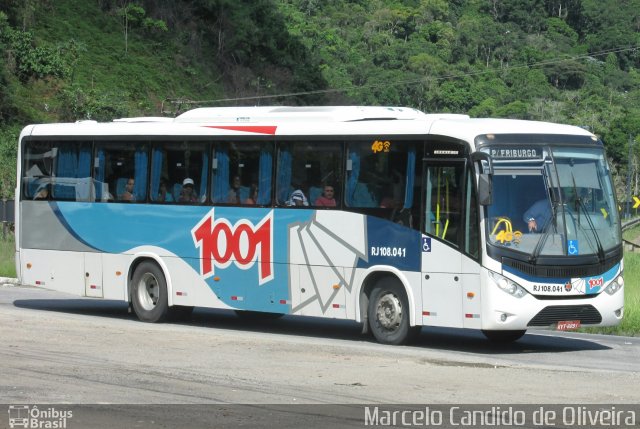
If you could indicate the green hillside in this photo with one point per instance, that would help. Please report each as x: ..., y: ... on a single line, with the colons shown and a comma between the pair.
x: 572, y: 61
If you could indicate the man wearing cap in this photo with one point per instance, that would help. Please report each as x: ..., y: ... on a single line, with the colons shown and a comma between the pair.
x: 187, y: 194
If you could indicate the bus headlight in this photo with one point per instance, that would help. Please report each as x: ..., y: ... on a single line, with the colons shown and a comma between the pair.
x: 615, y: 285
x: 509, y: 286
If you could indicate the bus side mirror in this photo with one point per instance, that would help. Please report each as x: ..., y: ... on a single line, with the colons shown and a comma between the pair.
x: 485, y: 190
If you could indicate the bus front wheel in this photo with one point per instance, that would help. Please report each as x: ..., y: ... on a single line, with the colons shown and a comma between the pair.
x: 149, y: 293
x: 503, y: 336
x: 388, y: 313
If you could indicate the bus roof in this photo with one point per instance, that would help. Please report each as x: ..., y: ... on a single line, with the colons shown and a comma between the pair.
x: 304, y: 121
x: 468, y: 129
x: 304, y: 113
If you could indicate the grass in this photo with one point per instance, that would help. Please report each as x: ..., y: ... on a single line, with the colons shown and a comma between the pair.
x: 631, y: 234
x: 7, y: 256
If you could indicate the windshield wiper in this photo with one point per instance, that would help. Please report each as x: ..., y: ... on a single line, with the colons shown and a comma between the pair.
x: 545, y: 229
x: 579, y: 204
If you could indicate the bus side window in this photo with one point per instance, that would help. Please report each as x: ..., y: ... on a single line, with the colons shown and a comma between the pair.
x: 179, y: 172
x: 120, y: 172
x: 307, y: 169
x: 72, y: 171
x: 381, y: 179
x: 37, y: 167
x: 242, y: 173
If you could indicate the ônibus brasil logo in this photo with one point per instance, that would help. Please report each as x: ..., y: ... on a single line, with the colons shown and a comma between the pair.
x: 221, y: 244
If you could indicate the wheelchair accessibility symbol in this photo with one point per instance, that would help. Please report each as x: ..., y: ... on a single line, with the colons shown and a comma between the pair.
x: 572, y: 247
x: 426, y: 244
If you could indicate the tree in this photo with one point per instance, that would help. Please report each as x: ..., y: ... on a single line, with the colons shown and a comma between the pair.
x: 134, y: 15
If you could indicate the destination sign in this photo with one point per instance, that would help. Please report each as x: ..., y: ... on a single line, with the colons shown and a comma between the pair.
x: 522, y: 153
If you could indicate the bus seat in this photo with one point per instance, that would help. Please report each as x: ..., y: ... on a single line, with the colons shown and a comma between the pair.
x: 33, y: 186
x: 283, y: 193
x: 243, y: 193
x: 314, y: 193
x: 362, y: 197
x: 177, y: 188
x: 121, y: 183
x: 64, y: 192
x: 85, y: 190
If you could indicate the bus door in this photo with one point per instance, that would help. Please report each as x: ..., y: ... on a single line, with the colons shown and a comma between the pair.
x: 442, y: 220
x: 93, y: 275
x: 451, y: 245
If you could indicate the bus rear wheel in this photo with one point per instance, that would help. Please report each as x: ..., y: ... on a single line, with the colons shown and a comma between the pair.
x: 388, y: 313
x: 503, y: 337
x: 149, y: 293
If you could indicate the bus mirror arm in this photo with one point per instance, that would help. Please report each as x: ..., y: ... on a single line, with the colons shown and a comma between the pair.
x: 478, y: 157
x: 485, y: 189
x: 485, y: 180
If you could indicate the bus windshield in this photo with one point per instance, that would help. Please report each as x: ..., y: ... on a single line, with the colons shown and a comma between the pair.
x: 558, y: 203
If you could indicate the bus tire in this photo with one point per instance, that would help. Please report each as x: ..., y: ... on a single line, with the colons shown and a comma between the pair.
x: 149, y: 293
x: 503, y: 337
x: 388, y: 313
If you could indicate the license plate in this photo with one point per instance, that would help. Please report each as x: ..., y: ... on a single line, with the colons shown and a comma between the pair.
x: 568, y: 325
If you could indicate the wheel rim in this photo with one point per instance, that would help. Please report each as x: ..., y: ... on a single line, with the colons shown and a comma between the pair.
x: 389, y: 312
x: 148, y: 291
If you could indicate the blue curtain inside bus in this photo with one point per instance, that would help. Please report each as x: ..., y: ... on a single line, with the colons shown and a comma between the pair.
x: 66, y: 167
x: 411, y: 172
x: 156, y: 172
x: 264, y: 186
x: 140, y: 185
x: 84, y: 162
x: 220, y: 179
x: 284, y: 175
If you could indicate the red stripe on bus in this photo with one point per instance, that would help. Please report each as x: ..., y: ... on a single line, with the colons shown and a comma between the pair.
x: 259, y: 129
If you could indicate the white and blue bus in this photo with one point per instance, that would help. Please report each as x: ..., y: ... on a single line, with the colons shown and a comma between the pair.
x: 387, y: 216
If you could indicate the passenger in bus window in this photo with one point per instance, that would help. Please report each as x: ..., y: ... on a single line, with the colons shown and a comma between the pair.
x: 327, y: 199
x: 188, y: 193
x: 43, y: 193
x: 163, y: 194
x: 253, y: 195
x: 297, y: 199
x: 128, y: 195
x: 234, y: 191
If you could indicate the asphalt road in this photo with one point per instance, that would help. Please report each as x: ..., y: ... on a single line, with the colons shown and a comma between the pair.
x: 59, y: 349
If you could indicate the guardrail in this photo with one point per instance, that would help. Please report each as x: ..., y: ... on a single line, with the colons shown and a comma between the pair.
x: 7, y: 216
x: 630, y: 245
x: 630, y: 223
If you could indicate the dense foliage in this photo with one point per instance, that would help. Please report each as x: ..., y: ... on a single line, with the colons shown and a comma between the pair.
x: 571, y: 61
